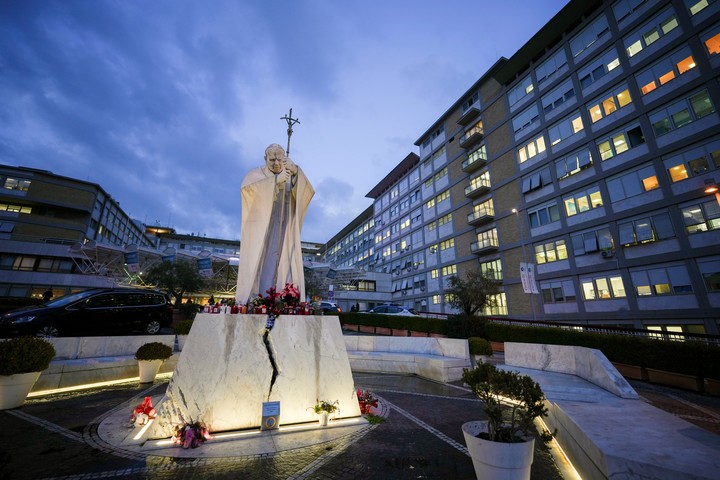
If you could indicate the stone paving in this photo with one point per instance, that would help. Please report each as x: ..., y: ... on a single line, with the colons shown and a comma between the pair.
x: 55, y: 437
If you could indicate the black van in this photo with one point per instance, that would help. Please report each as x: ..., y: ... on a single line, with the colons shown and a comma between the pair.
x: 101, y: 311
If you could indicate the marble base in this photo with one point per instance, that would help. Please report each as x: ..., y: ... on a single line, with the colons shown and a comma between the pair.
x: 224, y: 372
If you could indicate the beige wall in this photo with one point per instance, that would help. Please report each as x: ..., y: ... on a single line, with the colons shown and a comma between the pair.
x: 62, y: 195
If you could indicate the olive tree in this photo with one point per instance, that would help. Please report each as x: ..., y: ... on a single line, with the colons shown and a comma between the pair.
x: 176, y: 277
x: 313, y: 283
x: 472, y: 292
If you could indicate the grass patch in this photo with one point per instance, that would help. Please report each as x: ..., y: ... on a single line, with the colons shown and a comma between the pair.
x: 374, y: 419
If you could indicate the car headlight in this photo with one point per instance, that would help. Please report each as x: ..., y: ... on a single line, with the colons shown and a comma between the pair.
x: 23, y: 319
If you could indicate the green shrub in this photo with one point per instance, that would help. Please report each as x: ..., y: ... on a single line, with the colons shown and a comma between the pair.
x: 189, y: 310
x: 182, y: 327
x: 462, y: 326
x: 25, y: 355
x: 493, y: 387
x: 154, y: 351
x: 479, y: 346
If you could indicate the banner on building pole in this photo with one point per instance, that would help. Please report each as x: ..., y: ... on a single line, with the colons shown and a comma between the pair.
x: 527, y: 277
x: 132, y: 262
x: 524, y: 279
x: 205, y: 266
x: 531, y: 278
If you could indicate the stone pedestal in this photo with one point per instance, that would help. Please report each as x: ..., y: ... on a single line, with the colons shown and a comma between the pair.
x: 225, y: 371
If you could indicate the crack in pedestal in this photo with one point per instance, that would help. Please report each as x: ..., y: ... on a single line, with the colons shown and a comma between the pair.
x: 271, y: 357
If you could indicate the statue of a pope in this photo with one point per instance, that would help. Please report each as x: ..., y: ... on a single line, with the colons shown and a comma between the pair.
x: 275, y: 198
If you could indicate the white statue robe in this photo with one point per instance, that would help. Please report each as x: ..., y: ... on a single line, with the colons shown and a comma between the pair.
x: 266, y: 243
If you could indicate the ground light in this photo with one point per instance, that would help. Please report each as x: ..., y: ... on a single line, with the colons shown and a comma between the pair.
x: 225, y: 436
x: 92, y: 385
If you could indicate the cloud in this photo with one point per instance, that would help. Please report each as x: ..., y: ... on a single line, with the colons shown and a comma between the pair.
x: 168, y: 104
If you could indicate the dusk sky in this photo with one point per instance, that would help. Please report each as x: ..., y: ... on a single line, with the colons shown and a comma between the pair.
x: 168, y: 104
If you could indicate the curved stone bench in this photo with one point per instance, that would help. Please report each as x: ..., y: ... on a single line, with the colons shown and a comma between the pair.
x: 84, y: 360
x: 439, y: 359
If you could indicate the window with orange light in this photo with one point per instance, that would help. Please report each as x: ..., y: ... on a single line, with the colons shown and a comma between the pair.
x: 713, y: 44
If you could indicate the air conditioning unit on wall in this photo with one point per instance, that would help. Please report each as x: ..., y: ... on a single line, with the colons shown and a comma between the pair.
x: 608, y: 253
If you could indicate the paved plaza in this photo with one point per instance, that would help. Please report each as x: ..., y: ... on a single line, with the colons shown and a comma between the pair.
x: 56, y: 437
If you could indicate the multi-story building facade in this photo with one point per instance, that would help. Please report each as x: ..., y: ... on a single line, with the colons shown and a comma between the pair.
x: 354, y: 245
x: 418, y: 235
x: 346, y: 266
x: 587, y: 155
x: 43, y: 215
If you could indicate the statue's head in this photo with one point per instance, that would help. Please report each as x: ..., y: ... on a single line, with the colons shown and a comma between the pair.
x: 274, y: 158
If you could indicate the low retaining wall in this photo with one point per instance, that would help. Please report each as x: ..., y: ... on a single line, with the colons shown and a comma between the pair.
x: 603, y: 426
x: 440, y: 359
x: 84, y: 360
x: 587, y: 363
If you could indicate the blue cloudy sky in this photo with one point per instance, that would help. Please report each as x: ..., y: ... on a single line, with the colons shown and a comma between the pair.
x: 168, y: 104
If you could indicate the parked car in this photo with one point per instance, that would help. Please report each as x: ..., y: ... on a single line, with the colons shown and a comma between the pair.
x: 393, y: 310
x: 103, y: 311
x: 328, y: 308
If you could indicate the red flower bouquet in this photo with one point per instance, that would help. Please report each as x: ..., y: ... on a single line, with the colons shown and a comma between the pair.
x: 366, y: 400
x: 191, y: 435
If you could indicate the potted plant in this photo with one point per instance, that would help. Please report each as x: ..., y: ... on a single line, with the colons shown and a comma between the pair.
x: 324, y: 408
x: 502, y: 446
x: 21, y: 362
x: 182, y: 329
x: 150, y: 356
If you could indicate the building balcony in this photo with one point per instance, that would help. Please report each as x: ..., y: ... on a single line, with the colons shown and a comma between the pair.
x: 483, y: 247
x: 472, y: 164
x: 471, y: 137
x: 480, y: 216
x: 477, y: 189
x: 469, y: 115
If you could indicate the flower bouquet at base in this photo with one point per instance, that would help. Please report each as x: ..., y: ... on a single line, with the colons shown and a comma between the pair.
x: 323, y: 406
x: 143, y: 413
x: 290, y: 298
x: 270, y: 304
x: 191, y: 435
x: 366, y: 400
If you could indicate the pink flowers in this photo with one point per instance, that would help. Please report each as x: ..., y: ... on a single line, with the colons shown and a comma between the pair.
x: 191, y: 435
x: 275, y: 303
x: 290, y: 295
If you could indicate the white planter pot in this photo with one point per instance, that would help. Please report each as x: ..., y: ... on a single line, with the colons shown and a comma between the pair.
x: 497, y: 460
x: 15, y: 388
x: 323, y: 419
x: 148, y: 370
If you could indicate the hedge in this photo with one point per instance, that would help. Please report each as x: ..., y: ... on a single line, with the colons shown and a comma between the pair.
x: 398, y: 322
x: 691, y: 358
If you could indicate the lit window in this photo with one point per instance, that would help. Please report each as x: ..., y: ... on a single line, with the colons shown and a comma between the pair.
x: 713, y: 44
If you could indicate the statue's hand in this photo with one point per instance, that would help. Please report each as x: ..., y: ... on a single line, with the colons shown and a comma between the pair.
x: 283, y: 177
x: 290, y: 166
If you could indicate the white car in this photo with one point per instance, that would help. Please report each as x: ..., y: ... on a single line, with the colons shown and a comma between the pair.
x: 393, y: 310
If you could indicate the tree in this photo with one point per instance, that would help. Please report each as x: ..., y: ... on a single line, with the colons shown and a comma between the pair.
x: 177, y: 278
x: 472, y: 293
x: 313, y: 283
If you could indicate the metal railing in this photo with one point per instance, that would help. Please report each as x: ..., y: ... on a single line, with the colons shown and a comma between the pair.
x: 602, y: 329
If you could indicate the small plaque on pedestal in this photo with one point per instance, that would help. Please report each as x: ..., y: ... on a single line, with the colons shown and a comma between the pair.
x: 270, y: 415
